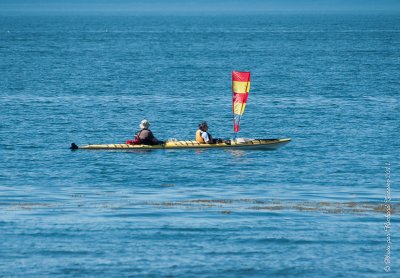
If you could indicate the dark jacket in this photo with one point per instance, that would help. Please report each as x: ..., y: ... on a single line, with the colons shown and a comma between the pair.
x: 146, y: 137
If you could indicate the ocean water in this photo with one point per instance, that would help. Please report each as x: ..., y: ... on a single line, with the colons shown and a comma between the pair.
x: 314, y: 207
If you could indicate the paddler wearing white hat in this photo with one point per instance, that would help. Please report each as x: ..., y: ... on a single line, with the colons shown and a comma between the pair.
x: 144, y: 136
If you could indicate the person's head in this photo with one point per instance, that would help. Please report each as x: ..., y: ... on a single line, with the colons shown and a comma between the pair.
x: 144, y: 124
x: 203, y: 126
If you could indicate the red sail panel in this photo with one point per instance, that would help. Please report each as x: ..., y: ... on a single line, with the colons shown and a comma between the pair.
x: 243, y: 76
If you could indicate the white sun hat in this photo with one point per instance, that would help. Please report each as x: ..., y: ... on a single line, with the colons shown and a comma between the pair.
x: 144, y: 124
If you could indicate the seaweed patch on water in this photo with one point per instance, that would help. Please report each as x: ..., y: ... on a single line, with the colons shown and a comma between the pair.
x: 223, y: 206
x: 231, y: 205
x: 267, y: 208
x: 28, y: 206
x: 167, y: 184
x: 212, y: 201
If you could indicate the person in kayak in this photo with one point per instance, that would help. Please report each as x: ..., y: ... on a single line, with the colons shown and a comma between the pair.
x: 144, y: 136
x: 203, y: 137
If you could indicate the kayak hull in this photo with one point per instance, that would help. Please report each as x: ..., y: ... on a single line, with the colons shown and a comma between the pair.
x: 256, y: 144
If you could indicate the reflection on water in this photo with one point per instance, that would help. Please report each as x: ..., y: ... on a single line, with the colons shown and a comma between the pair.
x: 237, y: 153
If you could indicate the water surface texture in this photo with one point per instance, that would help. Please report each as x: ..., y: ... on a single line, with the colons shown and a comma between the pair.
x: 314, y: 207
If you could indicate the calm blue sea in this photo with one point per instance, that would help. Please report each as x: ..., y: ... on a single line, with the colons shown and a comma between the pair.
x: 312, y: 208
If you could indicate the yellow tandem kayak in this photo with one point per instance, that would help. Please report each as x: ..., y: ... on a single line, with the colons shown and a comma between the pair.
x: 253, y: 144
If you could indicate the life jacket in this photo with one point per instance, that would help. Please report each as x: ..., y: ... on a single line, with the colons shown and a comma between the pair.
x: 198, y: 136
x: 200, y: 139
